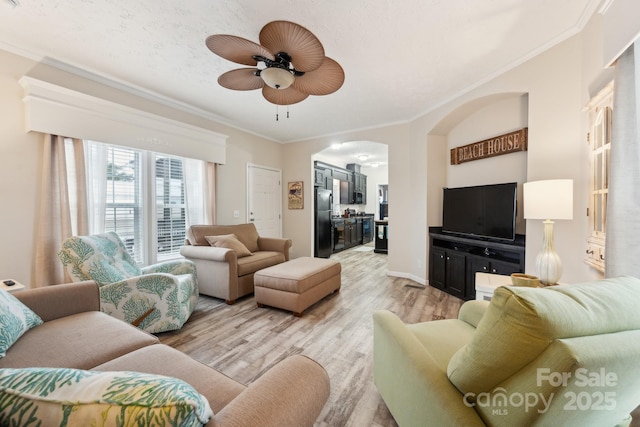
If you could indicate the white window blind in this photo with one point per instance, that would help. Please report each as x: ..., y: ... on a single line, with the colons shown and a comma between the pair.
x: 124, y: 208
x: 170, y: 209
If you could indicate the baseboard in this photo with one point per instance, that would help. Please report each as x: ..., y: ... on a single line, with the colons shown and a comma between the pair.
x: 420, y: 280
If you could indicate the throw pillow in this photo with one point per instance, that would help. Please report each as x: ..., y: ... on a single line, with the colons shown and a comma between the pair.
x: 229, y: 241
x: 73, y: 397
x: 16, y: 319
x: 521, y: 322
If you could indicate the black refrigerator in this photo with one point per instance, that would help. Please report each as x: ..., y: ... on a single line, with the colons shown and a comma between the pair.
x: 323, y: 226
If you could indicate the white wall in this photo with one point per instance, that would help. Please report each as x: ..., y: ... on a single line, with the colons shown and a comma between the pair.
x: 20, y: 159
x: 499, y: 117
x: 231, y: 186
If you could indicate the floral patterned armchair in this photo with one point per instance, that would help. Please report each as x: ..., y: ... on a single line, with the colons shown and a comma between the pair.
x: 156, y: 298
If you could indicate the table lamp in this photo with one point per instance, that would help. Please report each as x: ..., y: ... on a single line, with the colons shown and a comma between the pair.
x: 548, y: 200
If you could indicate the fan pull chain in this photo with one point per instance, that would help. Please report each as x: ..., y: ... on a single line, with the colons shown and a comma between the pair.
x: 278, y: 115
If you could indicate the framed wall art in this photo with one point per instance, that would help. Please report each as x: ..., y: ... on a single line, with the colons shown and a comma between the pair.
x: 295, y: 195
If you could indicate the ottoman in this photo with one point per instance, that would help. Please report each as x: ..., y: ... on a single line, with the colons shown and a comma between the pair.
x: 297, y: 284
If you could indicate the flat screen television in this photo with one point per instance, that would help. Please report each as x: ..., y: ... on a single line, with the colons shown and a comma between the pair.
x: 483, y: 211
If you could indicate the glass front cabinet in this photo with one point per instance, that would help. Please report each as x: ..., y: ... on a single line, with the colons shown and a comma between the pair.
x: 600, y: 110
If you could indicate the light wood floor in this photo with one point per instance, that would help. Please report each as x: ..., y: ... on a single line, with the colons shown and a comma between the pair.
x: 243, y: 341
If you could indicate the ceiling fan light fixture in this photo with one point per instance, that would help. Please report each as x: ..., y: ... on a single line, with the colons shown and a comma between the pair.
x: 277, y: 78
x: 281, y: 82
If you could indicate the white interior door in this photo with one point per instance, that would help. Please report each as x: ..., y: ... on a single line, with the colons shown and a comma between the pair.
x: 265, y: 200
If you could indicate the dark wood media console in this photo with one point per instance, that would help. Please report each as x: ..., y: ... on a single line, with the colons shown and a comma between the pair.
x: 454, y: 261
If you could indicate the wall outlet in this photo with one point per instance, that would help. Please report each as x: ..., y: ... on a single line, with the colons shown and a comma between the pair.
x: 236, y: 214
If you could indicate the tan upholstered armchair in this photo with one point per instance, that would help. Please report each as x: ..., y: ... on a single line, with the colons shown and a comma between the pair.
x: 224, y: 271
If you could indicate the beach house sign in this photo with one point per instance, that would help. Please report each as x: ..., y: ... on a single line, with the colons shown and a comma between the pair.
x: 503, y: 144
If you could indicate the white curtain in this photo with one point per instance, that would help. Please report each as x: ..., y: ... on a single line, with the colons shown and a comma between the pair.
x: 623, y: 207
x: 199, y: 183
x: 210, y: 198
x: 96, y: 162
x: 63, y: 206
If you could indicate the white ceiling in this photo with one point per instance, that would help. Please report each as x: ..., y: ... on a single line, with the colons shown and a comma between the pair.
x: 343, y: 153
x: 401, y: 58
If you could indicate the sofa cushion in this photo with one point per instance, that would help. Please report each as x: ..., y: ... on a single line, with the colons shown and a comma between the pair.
x: 164, y: 360
x: 80, y: 341
x: 16, y: 319
x: 442, y: 338
x: 246, y: 233
x: 520, y: 323
x: 229, y: 241
x: 63, y: 396
x: 258, y: 261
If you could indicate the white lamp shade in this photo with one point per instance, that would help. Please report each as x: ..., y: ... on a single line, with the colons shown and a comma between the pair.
x: 277, y: 78
x: 549, y: 199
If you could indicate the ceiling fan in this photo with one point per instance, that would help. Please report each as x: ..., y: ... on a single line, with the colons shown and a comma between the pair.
x: 290, y: 63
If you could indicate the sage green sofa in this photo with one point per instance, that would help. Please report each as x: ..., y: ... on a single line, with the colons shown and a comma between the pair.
x: 566, y: 355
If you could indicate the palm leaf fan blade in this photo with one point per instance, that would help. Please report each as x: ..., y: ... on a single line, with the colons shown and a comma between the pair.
x: 236, y: 49
x: 300, y: 44
x: 326, y: 79
x: 241, y: 79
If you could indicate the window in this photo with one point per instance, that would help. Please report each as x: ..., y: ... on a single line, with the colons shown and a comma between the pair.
x: 599, y: 138
x: 170, y: 205
x: 124, y: 207
x: 145, y: 200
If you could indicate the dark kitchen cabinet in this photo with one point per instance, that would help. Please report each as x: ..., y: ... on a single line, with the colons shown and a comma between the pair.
x: 346, y: 191
x: 338, y: 235
x: 350, y: 233
x: 318, y: 180
x: 323, y: 178
x: 353, y: 230
x: 353, y: 184
x: 341, y: 175
x: 359, y: 188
